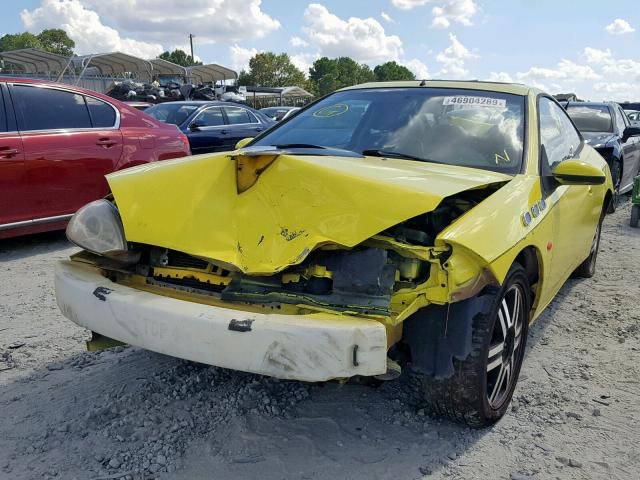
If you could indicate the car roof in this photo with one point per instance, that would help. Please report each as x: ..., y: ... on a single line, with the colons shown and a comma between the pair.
x: 51, y: 83
x: 591, y: 104
x: 512, y: 88
x: 202, y: 103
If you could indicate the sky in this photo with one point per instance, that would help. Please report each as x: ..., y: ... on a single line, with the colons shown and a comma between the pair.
x: 589, y: 47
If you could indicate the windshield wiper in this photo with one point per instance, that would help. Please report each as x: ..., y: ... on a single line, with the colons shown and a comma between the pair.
x: 282, y: 146
x: 390, y: 154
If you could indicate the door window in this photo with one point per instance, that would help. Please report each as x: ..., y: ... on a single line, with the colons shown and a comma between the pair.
x: 557, y: 134
x: 237, y: 116
x: 102, y: 114
x: 211, y: 117
x: 3, y: 115
x: 47, y: 109
x: 621, y: 119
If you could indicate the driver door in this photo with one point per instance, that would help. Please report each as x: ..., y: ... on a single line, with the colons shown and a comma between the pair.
x: 207, y: 131
x: 573, y: 223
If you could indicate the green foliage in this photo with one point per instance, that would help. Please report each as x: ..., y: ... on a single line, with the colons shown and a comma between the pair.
x: 17, y: 41
x: 268, y: 69
x: 392, y: 71
x: 326, y: 75
x: 329, y: 74
x: 54, y: 40
x: 179, y: 57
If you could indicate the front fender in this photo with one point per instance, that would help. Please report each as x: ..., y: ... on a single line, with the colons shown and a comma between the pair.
x: 503, y: 210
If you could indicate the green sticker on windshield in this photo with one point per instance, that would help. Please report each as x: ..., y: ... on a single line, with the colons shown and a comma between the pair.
x: 332, y: 110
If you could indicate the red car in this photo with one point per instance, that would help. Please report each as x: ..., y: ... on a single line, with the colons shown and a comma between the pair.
x: 57, y: 142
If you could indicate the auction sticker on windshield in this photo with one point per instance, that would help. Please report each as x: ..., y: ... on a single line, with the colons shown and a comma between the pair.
x: 332, y: 110
x: 475, y: 101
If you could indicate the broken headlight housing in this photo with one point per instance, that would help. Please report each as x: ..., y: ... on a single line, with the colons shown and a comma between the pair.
x: 97, y: 227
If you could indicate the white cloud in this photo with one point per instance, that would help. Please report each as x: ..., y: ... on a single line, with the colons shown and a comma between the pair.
x: 596, y: 56
x: 170, y: 21
x: 453, y: 59
x: 418, y: 68
x: 409, y: 4
x: 500, y: 77
x: 387, y: 18
x: 619, y: 91
x: 298, y: 42
x: 459, y: 11
x: 362, y: 39
x: 619, y: 27
x: 85, y: 28
x: 565, y: 70
x: 240, y: 57
x: 303, y: 61
x: 611, y: 65
x: 445, y: 11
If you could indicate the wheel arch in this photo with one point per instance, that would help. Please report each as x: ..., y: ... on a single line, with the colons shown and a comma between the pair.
x: 608, y: 196
x: 530, y: 259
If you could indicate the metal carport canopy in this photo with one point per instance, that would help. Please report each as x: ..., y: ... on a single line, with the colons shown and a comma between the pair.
x: 35, y: 61
x: 211, y: 73
x: 115, y: 63
x: 165, y: 67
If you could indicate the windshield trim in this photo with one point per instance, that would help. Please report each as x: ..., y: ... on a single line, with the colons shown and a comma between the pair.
x: 525, y: 116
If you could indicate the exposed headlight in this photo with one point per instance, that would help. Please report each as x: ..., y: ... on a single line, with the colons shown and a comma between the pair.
x: 97, y: 227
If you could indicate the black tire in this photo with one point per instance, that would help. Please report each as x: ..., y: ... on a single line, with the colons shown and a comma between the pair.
x: 635, y: 216
x: 616, y: 177
x: 588, y: 268
x: 464, y: 397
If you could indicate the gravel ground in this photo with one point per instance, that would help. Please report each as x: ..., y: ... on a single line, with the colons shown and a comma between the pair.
x: 127, y: 413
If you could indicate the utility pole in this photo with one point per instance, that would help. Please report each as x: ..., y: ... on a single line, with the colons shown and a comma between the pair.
x: 193, y: 59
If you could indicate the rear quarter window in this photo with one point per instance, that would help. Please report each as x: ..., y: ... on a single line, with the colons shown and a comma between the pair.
x: 102, y: 114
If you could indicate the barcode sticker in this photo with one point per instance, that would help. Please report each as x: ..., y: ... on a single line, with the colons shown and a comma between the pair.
x: 475, y: 101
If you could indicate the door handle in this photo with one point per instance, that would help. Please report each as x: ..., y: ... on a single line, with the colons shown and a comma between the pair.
x: 106, y: 142
x: 258, y: 129
x: 223, y: 132
x: 7, y: 152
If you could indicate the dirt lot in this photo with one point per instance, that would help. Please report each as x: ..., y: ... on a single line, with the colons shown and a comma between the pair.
x: 127, y: 413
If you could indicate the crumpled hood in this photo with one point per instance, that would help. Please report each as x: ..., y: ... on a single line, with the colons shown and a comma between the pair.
x: 598, y: 138
x: 298, y: 203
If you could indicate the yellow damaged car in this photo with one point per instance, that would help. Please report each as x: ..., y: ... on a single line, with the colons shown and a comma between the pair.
x: 425, y: 222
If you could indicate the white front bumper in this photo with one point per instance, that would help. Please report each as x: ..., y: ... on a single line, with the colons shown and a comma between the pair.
x: 301, y: 347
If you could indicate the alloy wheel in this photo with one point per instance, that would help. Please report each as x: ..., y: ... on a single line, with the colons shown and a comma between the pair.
x: 505, y: 347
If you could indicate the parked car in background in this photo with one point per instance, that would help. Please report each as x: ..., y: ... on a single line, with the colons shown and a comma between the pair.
x: 278, y: 113
x: 427, y: 222
x: 607, y: 129
x: 633, y: 116
x: 212, y: 126
x: 58, y: 142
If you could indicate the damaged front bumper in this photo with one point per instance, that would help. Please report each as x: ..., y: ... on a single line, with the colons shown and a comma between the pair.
x: 313, y: 347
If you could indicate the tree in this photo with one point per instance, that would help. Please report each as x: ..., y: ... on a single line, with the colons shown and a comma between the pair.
x: 392, y: 71
x: 56, y: 40
x: 179, y: 57
x: 268, y: 69
x: 329, y: 74
x: 17, y: 41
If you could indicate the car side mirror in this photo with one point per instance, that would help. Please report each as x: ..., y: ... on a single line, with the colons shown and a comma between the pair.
x: 195, y: 126
x: 630, y: 131
x: 576, y: 172
x: 243, y: 142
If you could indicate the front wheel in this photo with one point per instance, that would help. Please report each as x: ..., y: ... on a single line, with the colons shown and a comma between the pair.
x: 479, y: 391
x: 616, y: 178
x: 588, y: 268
